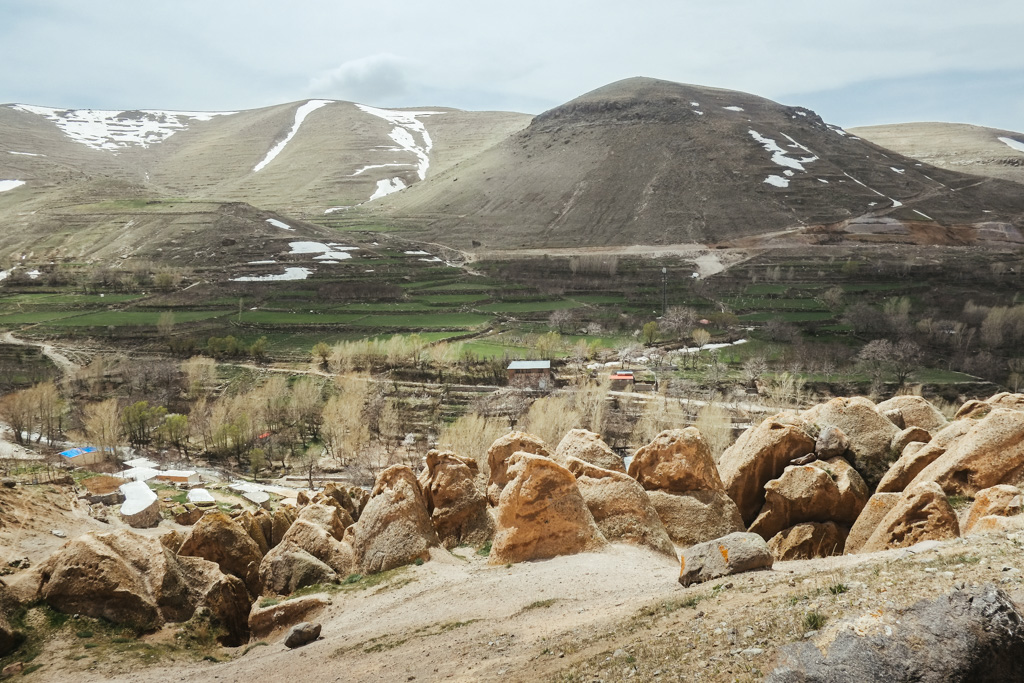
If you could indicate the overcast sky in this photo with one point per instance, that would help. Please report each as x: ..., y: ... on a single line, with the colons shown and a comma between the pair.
x: 855, y: 63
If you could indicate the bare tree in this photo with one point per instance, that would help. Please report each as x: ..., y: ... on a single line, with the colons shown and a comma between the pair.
x: 102, y: 424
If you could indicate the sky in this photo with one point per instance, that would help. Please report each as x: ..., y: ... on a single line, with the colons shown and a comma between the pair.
x: 859, y: 62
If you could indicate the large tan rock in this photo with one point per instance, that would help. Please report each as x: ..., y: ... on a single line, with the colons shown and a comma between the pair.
x: 218, y: 538
x: 457, y: 508
x: 877, y: 507
x: 266, y: 622
x: 588, y: 447
x: 320, y: 531
x: 282, y: 518
x: 1002, y: 500
x: 287, y: 568
x: 921, y: 514
x: 676, y: 461
x: 541, y: 513
x: 352, y: 498
x: 990, y: 453
x: 732, y: 554
x: 394, y: 528
x: 127, y: 578
x: 1007, y: 400
x: 908, y: 436
x: 253, y: 527
x: 808, y: 540
x: 915, y: 458
x: 869, y: 432
x: 759, y: 455
x: 696, y: 516
x: 266, y: 523
x: 500, y: 452
x: 831, y: 442
x: 620, y: 506
x: 830, y: 491
x: 914, y: 411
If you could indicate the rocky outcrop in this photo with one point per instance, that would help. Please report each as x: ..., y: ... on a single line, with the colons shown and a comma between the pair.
x: 921, y: 514
x: 908, y: 436
x: 877, y: 507
x: 282, y: 519
x: 253, y: 527
x: 266, y: 523
x: 676, y: 461
x: 696, y: 516
x: 975, y: 634
x: 915, y: 458
x: 991, y: 452
x: 394, y: 528
x: 127, y: 578
x: 808, y: 540
x: 500, y: 452
x: 588, y: 447
x: 732, y: 554
x: 351, y: 498
x: 264, y: 622
x: 187, y: 514
x: 1001, y: 501
x: 759, y: 455
x: 458, y: 510
x: 541, y: 513
x: 220, y: 539
x: 870, y: 433
x: 832, y: 442
x: 620, y: 506
x: 302, y: 634
x: 287, y: 568
x: 829, y: 491
x: 913, y: 411
x: 320, y: 531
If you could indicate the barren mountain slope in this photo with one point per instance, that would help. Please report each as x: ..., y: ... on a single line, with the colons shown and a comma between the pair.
x: 643, y: 161
x: 959, y: 147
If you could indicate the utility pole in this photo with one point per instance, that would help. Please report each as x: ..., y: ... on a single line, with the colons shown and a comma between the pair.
x: 664, y: 291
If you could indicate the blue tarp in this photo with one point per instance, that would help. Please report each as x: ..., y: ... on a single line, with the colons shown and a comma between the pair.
x: 72, y: 452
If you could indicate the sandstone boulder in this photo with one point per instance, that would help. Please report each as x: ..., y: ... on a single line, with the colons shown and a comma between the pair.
x: 732, y: 554
x: 829, y: 491
x: 908, y: 436
x: 394, y: 528
x: 126, y: 578
x: 352, y: 498
x: 265, y: 520
x: 870, y: 433
x: 915, y: 458
x: 320, y: 530
x: 287, y: 568
x: 677, y: 461
x: 541, y: 513
x: 759, y: 455
x: 302, y: 634
x: 172, y: 540
x: 282, y: 518
x: 832, y: 442
x: 500, y: 452
x: 620, y: 506
x: 457, y: 508
x: 253, y: 527
x: 1007, y: 400
x: 877, y: 507
x: 974, y: 634
x: 914, y: 411
x: 808, y: 540
x: 990, y: 453
x: 1001, y: 501
x: 921, y: 514
x: 220, y: 539
x: 264, y: 622
x: 187, y: 514
x: 697, y: 516
x: 588, y: 447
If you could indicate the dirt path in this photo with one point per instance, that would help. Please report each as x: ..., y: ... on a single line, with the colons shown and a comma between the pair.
x: 66, y: 365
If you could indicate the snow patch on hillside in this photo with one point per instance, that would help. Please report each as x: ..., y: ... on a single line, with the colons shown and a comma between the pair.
x: 288, y: 274
x: 386, y: 187
x: 27, y: 154
x: 279, y: 224
x: 780, y: 156
x: 6, y: 185
x: 300, y: 115
x: 114, y: 130
x: 777, y: 181
x: 409, y: 134
x: 1013, y: 144
x: 733, y: 108
x: 330, y: 250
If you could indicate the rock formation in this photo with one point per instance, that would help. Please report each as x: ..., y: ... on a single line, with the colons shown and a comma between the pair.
x: 921, y: 514
x: 870, y: 433
x: 458, y: 510
x: 588, y: 447
x: 220, y: 539
x: 500, y: 452
x: 732, y: 554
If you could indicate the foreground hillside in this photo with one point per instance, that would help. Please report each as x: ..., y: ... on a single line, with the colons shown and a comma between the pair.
x: 979, y: 151
x: 643, y: 161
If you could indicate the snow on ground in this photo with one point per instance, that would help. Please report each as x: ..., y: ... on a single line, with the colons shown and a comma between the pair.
x: 733, y: 108
x: 433, y: 259
x: 300, y: 115
x: 364, y: 169
x: 288, y: 274
x: 837, y: 130
x: 777, y: 181
x: 1013, y: 144
x: 781, y: 156
x: 33, y: 274
x: 27, y: 154
x: 4, y: 274
x: 923, y: 215
x: 6, y: 185
x: 278, y: 224
x: 336, y: 208
x: 897, y: 170
x: 417, y: 252
x: 262, y: 263
x: 822, y: 180
x: 386, y: 187
x: 330, y: 250
x: 113, y: 130
x: 407, y: 128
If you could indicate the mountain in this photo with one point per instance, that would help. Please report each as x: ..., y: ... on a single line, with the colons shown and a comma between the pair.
x: 976, y: 150
x: 304, y: 159
x: 643, y: 161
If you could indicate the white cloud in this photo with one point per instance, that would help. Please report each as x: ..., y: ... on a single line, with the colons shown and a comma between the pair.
x: 379, y: 78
